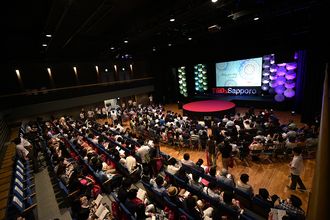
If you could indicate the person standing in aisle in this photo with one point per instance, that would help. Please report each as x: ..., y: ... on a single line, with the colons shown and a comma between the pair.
x: 296, y: 168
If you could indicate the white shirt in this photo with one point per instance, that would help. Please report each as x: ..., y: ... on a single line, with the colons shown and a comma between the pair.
x: 173, y: 169
x: 188, y: 162
x: 130, y: 163
x: 297, y: 165
x: 143, y: 151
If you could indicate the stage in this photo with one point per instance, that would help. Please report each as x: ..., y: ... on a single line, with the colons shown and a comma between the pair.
x: 202, y: 110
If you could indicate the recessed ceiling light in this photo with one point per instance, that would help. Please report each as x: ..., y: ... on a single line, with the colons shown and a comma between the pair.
x: 189, y: 38
x: 154, y: 49
x: 112, y: 48
x: 172, y: 19
x: 44, y: 45
x: 48, y: 35
x: 125, y: 41
x: 169, y: 44
x: 256, y: 18
x: 214, y: 1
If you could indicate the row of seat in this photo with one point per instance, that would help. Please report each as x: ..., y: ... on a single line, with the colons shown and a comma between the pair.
x: 22, y: 193
x: 254, y: 207
x: 21, y: 200
x: 163, y: 201
x: 62, y: 193
x: 246, y: 201
x: 7, y: 153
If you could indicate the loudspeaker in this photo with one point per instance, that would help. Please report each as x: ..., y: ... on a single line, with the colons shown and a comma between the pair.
x: 179, y: 105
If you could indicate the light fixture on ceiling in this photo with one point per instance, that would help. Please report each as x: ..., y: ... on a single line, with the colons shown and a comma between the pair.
x: 189, y: 38
x: 48, y: 35
x: 112, y: 48
x: 154, y: 49
x: 126, y: 41
x: 169, y: 44
x: 256, y: 18
x: 172, y: 19
x: 214, y: 28
x: 214, y: 1
x: 44, y: 45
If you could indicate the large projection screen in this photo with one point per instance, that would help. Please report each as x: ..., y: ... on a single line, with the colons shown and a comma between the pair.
x: 239, y: 73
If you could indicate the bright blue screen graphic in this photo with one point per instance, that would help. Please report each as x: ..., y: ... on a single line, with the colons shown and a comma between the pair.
x: 239, y: 73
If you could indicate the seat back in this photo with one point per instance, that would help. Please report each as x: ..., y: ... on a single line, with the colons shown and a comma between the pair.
x: 244, y: 199
x: 260, y: 207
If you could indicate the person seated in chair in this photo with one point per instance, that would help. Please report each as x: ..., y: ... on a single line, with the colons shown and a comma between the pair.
x: 194, y: 182
x: 212, y: 191
x: 132, y: 202
x: 186, y: 160
x: 123, y: 189
x: 263, y: 195
x: 292, y: 206
x: 227, y: 197
x: 158, y: 184
x: 173, y: 166
x: 226, y: 178
x: 242, y: 184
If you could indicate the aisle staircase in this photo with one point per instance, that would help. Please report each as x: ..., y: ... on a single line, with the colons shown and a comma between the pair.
x: 6, y: 169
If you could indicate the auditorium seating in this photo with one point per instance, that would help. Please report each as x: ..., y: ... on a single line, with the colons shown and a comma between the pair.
x: 22, y: 194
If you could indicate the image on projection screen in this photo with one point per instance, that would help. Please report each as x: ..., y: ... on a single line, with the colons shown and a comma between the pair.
x: 239, y: 73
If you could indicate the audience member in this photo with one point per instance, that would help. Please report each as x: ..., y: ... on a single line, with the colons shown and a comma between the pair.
x: 296, y: 168
x: 242, y: 184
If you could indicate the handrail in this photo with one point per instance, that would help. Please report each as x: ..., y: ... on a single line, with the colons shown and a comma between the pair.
x: 78, y: 87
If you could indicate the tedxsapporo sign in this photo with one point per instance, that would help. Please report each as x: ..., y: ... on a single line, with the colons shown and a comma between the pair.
x: 235, y: 91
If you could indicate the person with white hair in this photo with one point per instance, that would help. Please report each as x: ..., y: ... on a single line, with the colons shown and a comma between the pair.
x: 226, y: 177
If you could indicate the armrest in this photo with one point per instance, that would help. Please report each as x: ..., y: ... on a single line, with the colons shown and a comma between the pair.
x: 32, y: 185
x: 73, y: 193
x: 30, y: 208
x: 33, y: 194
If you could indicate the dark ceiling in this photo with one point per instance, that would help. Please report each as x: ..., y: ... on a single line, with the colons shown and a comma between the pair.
x: 87, y: 29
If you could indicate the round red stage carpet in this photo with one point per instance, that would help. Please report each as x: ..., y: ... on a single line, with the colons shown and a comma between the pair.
x: 208, y: 108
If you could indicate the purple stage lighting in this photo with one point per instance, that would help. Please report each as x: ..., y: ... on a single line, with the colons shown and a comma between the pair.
x: 279, y: 98
x: 295, y: 55
x: 265, y: 80
x: 273, y: 76
x: 273, y: 83
x: 289, y: 93
x: 291, y: 66
x: 279, y: 89
x: 266, y: 64
x: 267, y: 57
x: 290, y: 75
x: 281, y: 71
x: 290, y: 84
x: 265, y: 87
x: 266, y: 73
x: 273, y: 68
x: 280, y: 80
